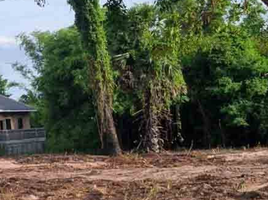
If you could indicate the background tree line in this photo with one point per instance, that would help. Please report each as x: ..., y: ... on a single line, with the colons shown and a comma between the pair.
x: 172, y: 73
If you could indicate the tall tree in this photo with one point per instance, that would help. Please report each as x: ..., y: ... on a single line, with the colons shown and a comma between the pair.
x: 156, y: 39
x: 89, y: 19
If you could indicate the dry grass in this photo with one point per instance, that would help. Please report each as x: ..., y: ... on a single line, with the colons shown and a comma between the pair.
x: 7, y: 195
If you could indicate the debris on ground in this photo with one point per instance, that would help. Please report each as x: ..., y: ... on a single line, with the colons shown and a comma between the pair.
x: 200, y: 175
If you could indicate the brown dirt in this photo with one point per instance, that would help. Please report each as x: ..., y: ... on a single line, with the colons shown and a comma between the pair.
x: 204, y: 175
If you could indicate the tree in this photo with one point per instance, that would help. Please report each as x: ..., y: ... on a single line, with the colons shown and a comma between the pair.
x: 224, y: 64
x: 3, y: 86
x: 89, y: 20
x: 155, y: 38
x: 38, y: 2
x: 59, y: 92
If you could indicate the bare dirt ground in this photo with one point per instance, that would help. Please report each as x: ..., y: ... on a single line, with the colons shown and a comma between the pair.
x: 206, y: 175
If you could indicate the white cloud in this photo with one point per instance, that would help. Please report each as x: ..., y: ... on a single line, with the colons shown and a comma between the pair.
x: 7, y: 41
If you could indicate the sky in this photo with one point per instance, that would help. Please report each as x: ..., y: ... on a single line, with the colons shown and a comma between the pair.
x: 24, y: 16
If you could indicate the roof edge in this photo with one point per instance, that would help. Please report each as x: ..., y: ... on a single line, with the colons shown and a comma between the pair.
x: 16, y: 111
x: 28, y: 108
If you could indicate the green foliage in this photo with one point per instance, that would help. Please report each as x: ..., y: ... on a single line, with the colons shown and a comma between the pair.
x: 60, y: 90
x: 155, y: 59
x: 206, y: 59
x: 89, y: 19
x: 226, y: 72
x: 34, y: 100
x: 3, y: 86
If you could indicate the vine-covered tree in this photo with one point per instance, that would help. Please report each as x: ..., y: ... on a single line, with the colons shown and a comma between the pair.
x: 89, y: 19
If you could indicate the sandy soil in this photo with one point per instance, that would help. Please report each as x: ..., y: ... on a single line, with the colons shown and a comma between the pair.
x: 211, y: 175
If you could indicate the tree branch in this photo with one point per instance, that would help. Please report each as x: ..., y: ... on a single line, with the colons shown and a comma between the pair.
x: 39, y: 2
x: 265, y: 2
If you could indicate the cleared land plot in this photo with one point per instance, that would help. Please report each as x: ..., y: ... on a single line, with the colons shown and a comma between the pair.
x: 211, y: 175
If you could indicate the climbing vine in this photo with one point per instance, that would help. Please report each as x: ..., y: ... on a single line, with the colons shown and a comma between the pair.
x: 89, y: 20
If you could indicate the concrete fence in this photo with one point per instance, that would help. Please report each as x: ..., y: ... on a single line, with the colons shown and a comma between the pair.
x: 16, y: 142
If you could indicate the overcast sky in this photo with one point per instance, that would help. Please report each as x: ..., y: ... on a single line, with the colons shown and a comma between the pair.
x: 17, y: 16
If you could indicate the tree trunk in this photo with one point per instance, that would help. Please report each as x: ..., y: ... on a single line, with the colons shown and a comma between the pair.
x: 176, y: 135
x: 206, y: 125
x: 103, y: 102
x: 178, y: 123
x: 223, y: 136
x: 152, y: 137
x: 110, y: 139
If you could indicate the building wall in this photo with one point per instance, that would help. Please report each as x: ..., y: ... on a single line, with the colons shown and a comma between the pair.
x: 14, y: 117
x: 16, y: 142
